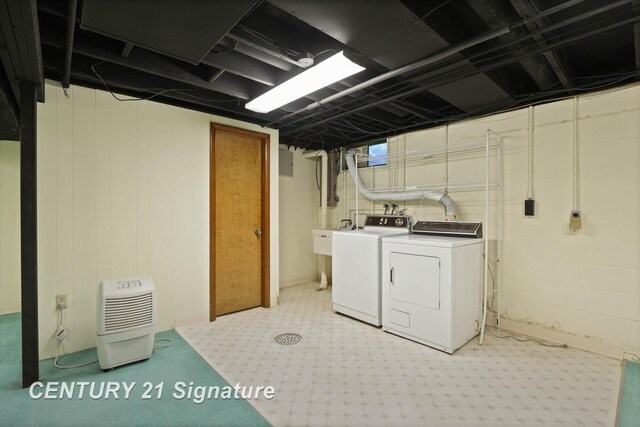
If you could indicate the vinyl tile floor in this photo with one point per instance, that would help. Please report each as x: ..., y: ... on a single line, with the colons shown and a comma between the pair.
x: 347, y: 373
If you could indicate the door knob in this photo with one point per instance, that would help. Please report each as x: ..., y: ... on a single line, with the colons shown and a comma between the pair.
x: 258, y: 233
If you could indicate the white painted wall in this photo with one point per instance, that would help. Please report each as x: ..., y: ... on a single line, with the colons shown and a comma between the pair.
x: 9, y: 227
x: 123, y: 189
x: 298, y: 200
x: 585, y: 283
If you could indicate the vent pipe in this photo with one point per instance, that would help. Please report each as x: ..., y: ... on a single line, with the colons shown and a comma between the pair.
x: 443, y: 199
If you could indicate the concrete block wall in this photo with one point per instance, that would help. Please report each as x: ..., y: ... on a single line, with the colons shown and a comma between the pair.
x: 585, y: 283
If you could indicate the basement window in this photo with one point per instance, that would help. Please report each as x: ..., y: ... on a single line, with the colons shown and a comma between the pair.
x: 377, y: 152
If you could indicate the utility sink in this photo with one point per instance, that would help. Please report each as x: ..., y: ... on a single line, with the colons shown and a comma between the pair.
x: 322, y: 238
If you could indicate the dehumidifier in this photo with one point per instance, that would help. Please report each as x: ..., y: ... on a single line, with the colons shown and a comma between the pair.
x: 126, y: 318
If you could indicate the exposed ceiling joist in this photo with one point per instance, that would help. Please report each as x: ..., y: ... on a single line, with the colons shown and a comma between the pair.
x: 244, y: 66
x: 71, y: 27
x: 636, y: 35
x: 19, y: 38
x: 636, y: 30
x: 126, y: 50
x: 21, y: 62
x: 154, y: 64
x: 544, y: 54
x: 526, y: 8
x: 9, y: 111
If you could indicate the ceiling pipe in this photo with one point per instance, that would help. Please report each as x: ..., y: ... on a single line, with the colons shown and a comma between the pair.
x: 540, y: 15
x: 450, y: 77
x: 404, y: 69
x: 437, y: 57
x: 71, y: 26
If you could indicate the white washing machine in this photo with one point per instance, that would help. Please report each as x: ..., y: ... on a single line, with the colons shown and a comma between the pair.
x: 356, y: 266
x: 432, y: 282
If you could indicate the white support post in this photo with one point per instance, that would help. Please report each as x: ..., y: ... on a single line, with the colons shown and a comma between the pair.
x: 486, y: 238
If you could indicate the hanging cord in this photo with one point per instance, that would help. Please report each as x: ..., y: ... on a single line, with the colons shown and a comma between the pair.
x: 493, y: 287
x: 55, y: 360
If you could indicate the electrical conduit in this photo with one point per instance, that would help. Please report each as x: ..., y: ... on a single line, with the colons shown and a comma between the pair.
x: 443, y: 199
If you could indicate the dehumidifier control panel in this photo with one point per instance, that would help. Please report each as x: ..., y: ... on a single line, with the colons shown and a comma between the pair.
x: 129, y: 284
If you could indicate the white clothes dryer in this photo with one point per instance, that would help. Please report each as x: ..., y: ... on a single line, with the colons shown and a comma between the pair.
x: 432, y: 282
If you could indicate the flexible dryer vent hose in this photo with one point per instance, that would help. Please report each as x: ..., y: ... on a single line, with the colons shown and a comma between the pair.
x: 443, y: 199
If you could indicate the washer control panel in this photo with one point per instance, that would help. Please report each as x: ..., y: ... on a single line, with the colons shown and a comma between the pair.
x: 391, y: 221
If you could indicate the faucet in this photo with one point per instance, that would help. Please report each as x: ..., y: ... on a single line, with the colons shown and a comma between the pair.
x: 346, y: 224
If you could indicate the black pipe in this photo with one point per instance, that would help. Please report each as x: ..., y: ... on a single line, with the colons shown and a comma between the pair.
x: 402, y: 70
x: 431, y: 81
x: 462, y: 74
x: 430, y: 59
x: 71, y: 26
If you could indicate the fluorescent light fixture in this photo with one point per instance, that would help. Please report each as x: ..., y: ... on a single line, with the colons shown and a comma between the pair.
x: 325, y: 73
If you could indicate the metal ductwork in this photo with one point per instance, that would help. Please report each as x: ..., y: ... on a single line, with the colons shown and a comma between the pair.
x: 443, y: 199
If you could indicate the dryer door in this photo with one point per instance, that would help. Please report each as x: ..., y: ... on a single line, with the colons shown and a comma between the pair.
x: 415, y: 279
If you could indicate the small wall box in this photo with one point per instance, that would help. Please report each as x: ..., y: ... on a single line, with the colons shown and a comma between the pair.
x: 529, y: 207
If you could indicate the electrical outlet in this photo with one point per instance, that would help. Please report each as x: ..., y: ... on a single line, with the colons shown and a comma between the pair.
x: 61, y: 301
x: 575, y: 221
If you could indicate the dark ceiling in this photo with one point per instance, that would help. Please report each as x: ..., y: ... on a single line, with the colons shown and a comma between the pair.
x: 480, y: 56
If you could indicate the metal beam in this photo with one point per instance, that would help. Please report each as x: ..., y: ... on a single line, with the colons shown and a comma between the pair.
x: 148, y: 62
x: 496, y: 13
x: 125, y: 82
x: 262, y: 56
x: 215, y: 76
x: 252, y: 41
x: 258, y: 54
x: 29, y: 233
x: 636, y: 32
x: 71, y: 26
x: 9, y: 111
x: 636, y: 36
x: 20, y: 46
x: 244, y: 66
x: 126, y: 50
x: 431, y: 59
x: 463, y: 72
x: 459, y: 69
x: 525, y: 8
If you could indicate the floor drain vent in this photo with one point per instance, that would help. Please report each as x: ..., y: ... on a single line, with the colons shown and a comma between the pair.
x: 288, y: 339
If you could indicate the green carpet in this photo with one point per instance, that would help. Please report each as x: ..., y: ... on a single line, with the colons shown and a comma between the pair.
x: 168, y: 365
x: 629, y: 409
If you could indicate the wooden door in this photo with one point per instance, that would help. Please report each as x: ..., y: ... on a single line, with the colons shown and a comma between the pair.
x: 239, y: 220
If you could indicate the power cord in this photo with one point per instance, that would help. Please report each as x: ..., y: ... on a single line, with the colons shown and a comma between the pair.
x: 61, y: 334
x: 493, y: 286
x: 526, y: 339
x: 163, y: 345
